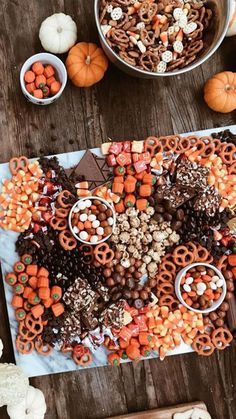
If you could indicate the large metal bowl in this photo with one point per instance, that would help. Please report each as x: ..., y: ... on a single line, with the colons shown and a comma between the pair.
x: 213, y: 38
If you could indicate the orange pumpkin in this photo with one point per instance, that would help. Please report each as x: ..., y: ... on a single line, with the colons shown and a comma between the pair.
x: 86, y: 64
x: 220, y: 92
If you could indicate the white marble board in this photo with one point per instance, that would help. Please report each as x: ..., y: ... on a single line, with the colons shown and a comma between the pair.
x: 35, y: 364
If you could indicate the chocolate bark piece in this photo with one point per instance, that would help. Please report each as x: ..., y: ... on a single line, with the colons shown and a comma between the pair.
x: 79, y: 295
x: 92, y: 169
x: 191, y: 175
x: 89, y: 321
x: 177, y: 195
x: 208, y: 201
x: 113, y: 316
x: 71, y: 327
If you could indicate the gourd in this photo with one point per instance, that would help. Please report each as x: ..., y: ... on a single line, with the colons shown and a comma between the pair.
x: 33, y: 406
x: 13, y: 384
x: 232, y: 23
x: 220, y: 92
x: 86, y: 64
x: 58, y: 33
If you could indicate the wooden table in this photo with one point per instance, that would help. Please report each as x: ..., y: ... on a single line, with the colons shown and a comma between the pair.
x: 120, y: 107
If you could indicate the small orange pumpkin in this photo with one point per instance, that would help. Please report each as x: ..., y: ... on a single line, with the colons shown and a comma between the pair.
x: 86, y: 64
x: 220, y: 92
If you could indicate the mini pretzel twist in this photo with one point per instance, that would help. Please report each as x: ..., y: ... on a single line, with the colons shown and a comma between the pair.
x: 41, y: 347
x: 149, y: 60
x: 194, y: 48
x: 169, y: 301
x: 24, y: 346
x: 202, y: 253
x: 18, y: 163
x: 147, y: 11
x: 164, y: 276
x: 153, y: 146
x: 203, y: 345
x: 65, y: 199
x: 58, y: 224
x: 103, y: 254
x: 182, y: 256
x: 221, y: 338
x: 67, y: 240
x: 25, y: 332
x: 228, y: 153
x: 147, y: 37
x: 33, y: 325
x: 168, y: 266
x: 62, y: 212
x: 165, y: 289
x: 119, y: 36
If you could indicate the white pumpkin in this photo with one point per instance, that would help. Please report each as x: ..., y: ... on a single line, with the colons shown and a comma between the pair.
x: 232, y: 24
x: 13, y: 384
x: 58, y: 33
x: 1, y: 348
x: 32, y: 407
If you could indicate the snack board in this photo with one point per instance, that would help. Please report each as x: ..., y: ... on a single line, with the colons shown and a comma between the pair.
x: 34, y: 364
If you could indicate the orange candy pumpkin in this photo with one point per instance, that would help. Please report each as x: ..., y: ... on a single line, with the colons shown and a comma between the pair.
x: 220, y: 92
x: 86, y: 64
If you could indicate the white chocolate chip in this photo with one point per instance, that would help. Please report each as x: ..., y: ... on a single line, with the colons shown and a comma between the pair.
x: 75, y: 230
x: 178, y: 46
x: 167, y: 56
x: 213, y: 285
x: 189, y: 28
x: 141, y: 47
x: 116, y: 13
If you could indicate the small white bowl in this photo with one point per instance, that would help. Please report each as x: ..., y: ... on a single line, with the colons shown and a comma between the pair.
x: 44, y: 58
x: 92, y: 198
x: 216, y: 304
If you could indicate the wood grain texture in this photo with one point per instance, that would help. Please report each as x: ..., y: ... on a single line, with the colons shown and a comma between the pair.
x: 164, y: 412
x: 120, y: 107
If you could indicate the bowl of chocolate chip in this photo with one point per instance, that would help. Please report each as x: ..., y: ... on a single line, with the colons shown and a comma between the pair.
x: 92, y: 220
x: 155, y: 38
x: 201, y: 287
